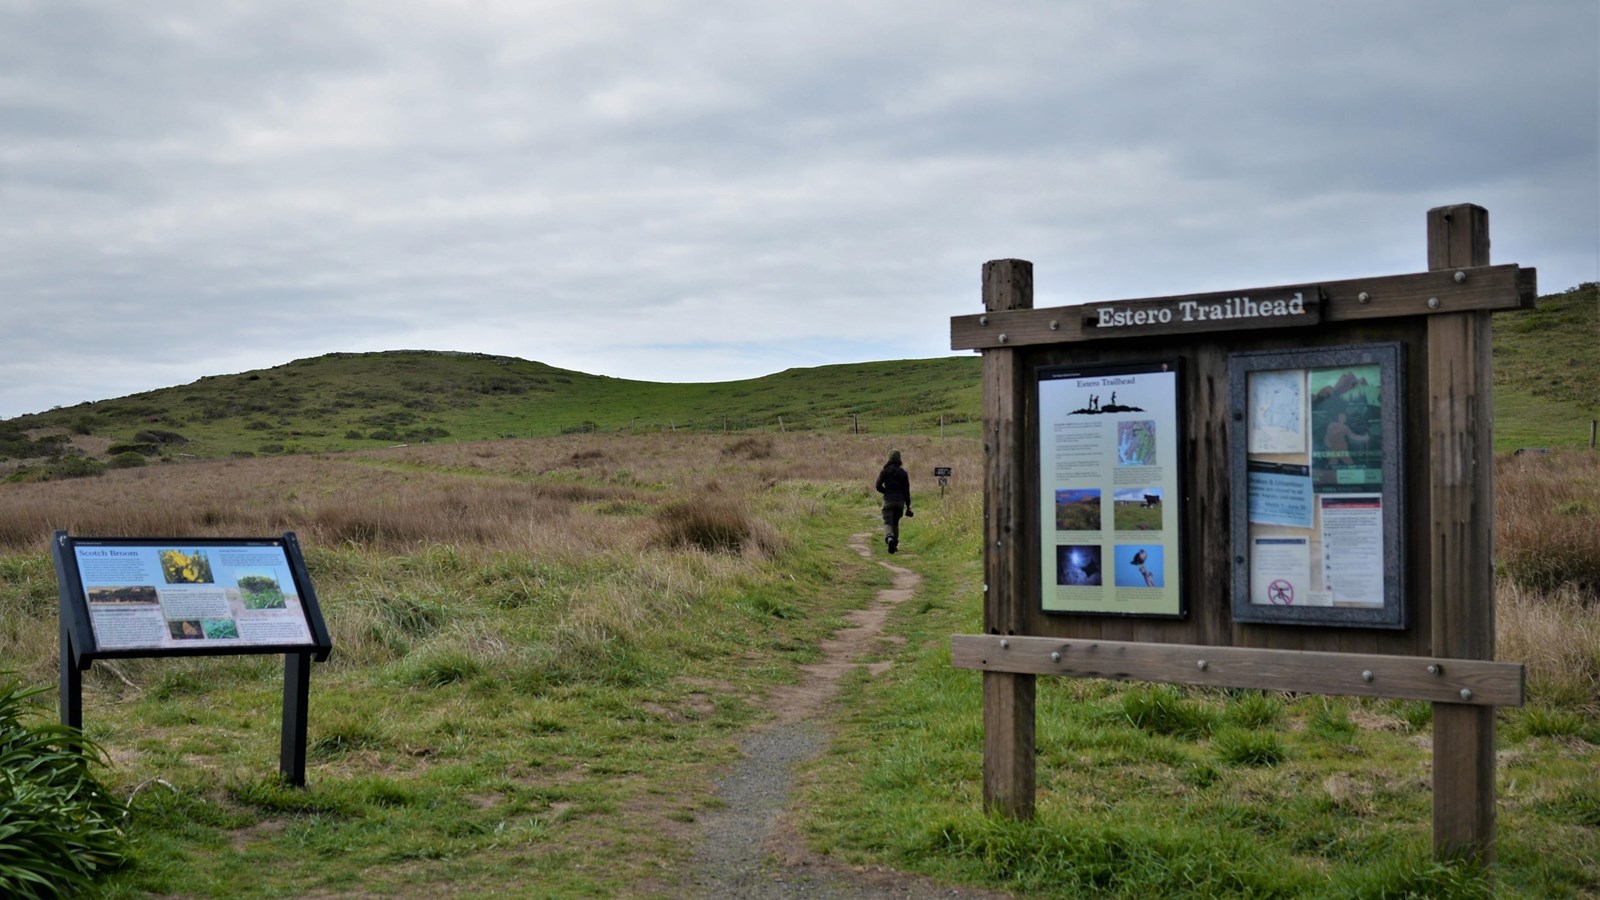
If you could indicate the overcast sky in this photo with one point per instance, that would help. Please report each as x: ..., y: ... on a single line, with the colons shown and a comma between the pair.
x: 707, y: 191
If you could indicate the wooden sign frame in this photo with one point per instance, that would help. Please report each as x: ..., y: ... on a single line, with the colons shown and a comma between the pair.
x: 1443, y: 648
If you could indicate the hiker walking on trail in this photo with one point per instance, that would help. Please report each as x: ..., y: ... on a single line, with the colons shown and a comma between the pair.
x: 895, y: 486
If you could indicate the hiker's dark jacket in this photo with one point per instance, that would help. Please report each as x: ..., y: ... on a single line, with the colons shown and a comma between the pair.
x: 894, y: 484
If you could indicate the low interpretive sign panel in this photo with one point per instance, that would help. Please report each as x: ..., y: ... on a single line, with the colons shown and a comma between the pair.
x: 159, y: 597
x: 1110, y: 492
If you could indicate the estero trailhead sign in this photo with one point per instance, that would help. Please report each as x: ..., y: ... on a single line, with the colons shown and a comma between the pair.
x: 1285, y: 488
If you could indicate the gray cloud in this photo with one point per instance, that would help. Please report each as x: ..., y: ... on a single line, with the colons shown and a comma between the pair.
x: 722, y: 190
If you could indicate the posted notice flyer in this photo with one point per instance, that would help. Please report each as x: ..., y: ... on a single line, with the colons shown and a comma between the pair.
x: 1109, y: 492
x: 152, y: 597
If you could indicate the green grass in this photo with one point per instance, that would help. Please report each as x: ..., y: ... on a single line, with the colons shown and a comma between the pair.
x: 1155, y: 790
x: 1547, y: 371
x: 493, y: 718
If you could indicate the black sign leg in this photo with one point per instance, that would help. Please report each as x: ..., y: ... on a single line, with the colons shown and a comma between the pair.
x: 296, y: 701
x: 71, y: 687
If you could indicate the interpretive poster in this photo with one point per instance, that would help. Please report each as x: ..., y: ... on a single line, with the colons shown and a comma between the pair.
x: 1109, y: 503
x: 190, y: 595
x: 1347, y: 443
x: 1318, y: 530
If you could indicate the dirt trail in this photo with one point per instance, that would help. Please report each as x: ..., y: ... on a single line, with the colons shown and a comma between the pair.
x: 748, y: 849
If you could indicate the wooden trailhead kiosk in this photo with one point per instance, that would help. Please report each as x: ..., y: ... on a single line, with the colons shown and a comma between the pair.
x: 1287, y: 488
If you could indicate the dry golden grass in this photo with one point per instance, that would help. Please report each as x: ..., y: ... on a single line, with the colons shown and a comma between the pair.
x: 1548, y: 521
x: 594, y: 536
x: 396, y: 536
x: 1558, y: 636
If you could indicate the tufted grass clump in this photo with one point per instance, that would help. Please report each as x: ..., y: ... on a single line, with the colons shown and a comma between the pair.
x: 1163, y: 709
x: 1244, y: 747
x: 715, y: 524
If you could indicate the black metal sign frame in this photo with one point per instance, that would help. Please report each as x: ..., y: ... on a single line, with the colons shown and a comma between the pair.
x: 175, y: 597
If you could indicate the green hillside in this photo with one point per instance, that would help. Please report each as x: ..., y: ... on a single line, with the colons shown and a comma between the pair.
x: 1547, y: 390
x: 1547, y: 371
x: 348, y: 401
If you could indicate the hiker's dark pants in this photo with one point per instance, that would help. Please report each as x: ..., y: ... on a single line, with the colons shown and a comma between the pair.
x: 892, y: 511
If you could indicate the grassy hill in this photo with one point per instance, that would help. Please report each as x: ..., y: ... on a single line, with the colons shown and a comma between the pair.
x: 1547, y: 390
x: 1547, y: 371
x: 354, y: 401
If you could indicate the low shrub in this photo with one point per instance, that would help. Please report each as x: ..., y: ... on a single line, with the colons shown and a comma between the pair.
x: 58, y: 827
x: 749, y: 448
x: 156, y: 436
x: 127, y: 460
x: 75, y: 467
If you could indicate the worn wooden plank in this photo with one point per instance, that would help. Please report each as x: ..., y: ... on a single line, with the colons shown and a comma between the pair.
x: 1435, y: 679
x: 1390, y: 296
x: 1461, y: 515
x: 1008, y: 698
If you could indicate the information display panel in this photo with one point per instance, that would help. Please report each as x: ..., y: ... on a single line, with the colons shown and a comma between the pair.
x: 188, y: 596
x: 1317, y: 456
x: 1110, y: 492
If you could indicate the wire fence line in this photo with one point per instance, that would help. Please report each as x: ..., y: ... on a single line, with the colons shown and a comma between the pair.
x: 848, y: 424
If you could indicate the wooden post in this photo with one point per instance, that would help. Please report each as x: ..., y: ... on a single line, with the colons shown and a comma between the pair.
x: 1008, y: 698
x: 1461, y: 502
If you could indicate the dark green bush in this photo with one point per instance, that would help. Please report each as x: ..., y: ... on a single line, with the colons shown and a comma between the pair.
x: 128, y: 459
x: 58, y: 827
x: 76, y: 467
x: 157, y: 436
